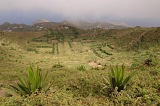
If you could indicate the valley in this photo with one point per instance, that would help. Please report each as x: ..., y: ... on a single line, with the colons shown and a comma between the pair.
x: 63, y: 49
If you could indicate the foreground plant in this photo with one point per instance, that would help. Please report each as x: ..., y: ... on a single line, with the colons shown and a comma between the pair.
x: 33, y: 82
x: 116, y: 78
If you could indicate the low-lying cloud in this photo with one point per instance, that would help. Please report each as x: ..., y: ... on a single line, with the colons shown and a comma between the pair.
x: 108, y: 10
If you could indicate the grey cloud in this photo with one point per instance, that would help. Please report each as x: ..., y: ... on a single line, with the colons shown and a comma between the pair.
x: 94, y: 9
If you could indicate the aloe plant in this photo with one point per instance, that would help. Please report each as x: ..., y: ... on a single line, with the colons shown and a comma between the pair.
x: 116, y: 78
x: 34, y: 81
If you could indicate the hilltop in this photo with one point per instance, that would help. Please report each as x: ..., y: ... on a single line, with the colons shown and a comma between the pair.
x: 44, y: 24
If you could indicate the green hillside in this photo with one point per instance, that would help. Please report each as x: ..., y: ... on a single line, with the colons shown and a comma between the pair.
x: 64, y: 50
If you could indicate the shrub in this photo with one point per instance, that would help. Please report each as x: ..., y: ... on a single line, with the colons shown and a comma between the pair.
x: 116, y: 79
x: 105, y: 52
x: 4, y: 44
x: 58, y: 65
x: 53, y: 48
x: 34, y: 81
x: 110, y: 46
x: 32, y: 49
x: 81, y: 68
x: 96, y: 53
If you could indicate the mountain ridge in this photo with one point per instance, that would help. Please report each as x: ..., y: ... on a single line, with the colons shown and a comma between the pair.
x: 44, y: 24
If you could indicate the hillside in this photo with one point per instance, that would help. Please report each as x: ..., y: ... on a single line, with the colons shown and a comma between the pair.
x: 134, y: 38
x: 78, y: 60
x: 99, y: 44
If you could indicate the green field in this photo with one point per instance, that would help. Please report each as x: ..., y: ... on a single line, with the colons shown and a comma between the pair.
x: 96, y: 50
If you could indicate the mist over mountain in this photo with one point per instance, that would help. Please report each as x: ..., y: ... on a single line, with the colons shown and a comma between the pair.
x: 43, y: 24
x: 143, y: 13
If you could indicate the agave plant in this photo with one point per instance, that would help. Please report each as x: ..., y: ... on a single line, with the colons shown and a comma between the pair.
x: 116, y: 78
x: 34, y: 81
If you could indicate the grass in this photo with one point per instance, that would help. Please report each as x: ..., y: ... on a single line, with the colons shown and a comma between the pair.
x: 84, y: 88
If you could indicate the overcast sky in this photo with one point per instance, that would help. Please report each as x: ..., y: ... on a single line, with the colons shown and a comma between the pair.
x: 133, y: 12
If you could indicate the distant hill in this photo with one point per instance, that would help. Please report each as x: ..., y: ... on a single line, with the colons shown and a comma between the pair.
x: 13, y: 27
x: 44, y: 24
x: 102, y: 25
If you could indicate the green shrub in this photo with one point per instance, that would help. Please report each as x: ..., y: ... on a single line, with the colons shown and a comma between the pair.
x: 105, y: 52
x: 34, y: 81
x: 4, y: 44
x: 32, y: 49
x: 53, y: 48
x: 58, y: 65
x: 110, y: 46
x: 116, y: 79
x: 57, y: 48
x: 70, y: 45
x: 96, y: 53
x: 81, y: 68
